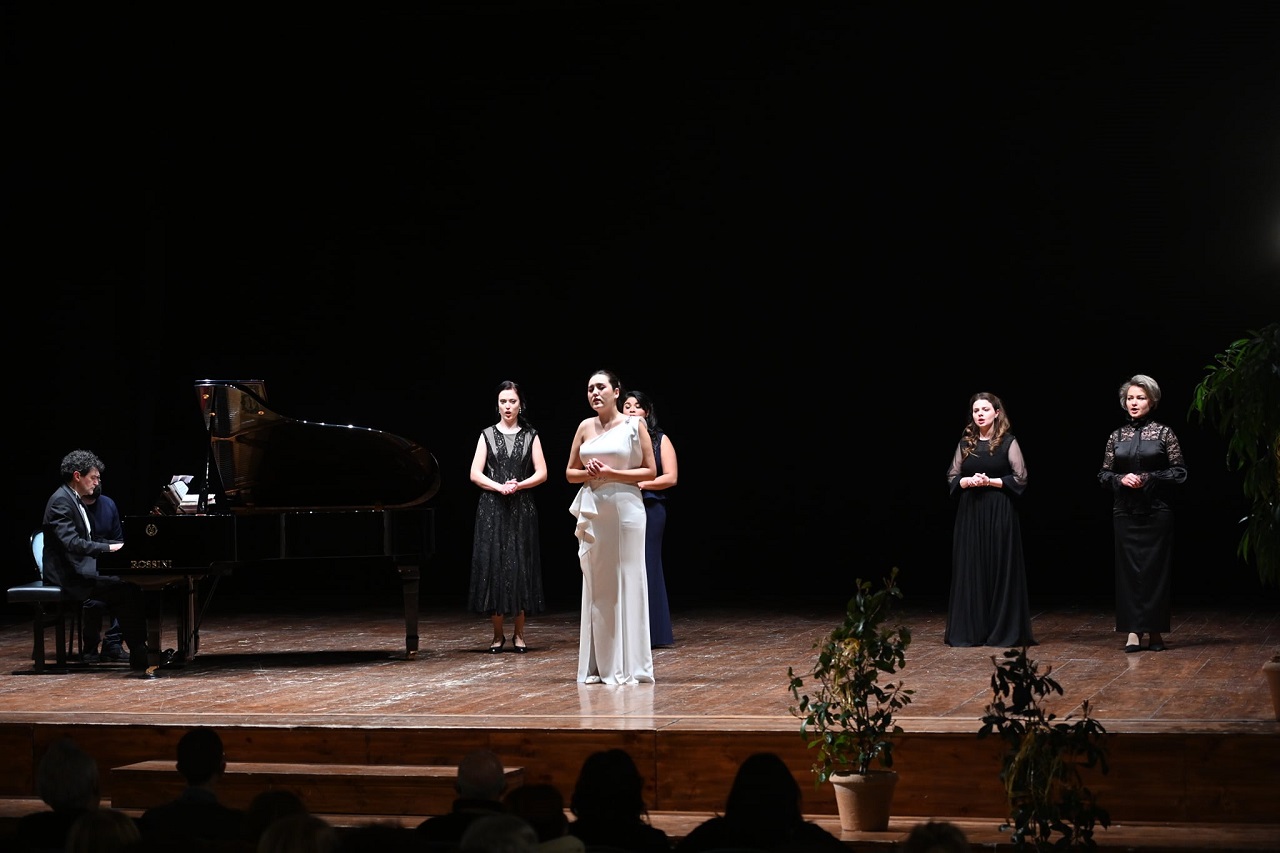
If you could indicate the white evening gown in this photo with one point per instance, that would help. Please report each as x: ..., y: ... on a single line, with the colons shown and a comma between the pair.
x: 615, y: 646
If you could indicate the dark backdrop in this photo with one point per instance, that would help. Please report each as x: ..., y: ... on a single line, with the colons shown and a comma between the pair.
x: 810, y: 231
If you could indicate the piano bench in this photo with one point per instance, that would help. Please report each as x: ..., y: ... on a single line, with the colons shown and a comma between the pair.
x: 53, y: 608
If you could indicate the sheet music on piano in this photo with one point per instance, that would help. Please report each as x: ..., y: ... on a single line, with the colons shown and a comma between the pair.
x: 179, y: 493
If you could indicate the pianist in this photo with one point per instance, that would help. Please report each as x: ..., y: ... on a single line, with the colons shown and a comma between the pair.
x: 71, y: 553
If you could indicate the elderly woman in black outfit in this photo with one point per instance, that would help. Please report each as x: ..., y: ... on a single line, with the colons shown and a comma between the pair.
x: 1143, y: 460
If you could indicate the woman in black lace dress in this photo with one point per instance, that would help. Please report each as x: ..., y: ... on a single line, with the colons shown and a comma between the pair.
x: 1142, y: 462
x: 506, y: 562
x: 989, y: 604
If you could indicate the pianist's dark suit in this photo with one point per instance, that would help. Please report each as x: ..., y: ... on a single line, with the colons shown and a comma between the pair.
x: 71, y: 562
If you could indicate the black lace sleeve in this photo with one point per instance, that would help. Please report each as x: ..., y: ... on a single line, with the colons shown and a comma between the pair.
x: 1177, y: 470
x: 1107, y: 476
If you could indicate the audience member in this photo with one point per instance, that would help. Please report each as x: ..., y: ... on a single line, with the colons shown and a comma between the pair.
x: 936, y: 836
x: 763, y: 813
x: 67, y: 781
x: 499, y: 833
x: 481, y: 781
x: 381, y: 837
x: 300, y: 833
x: 608, y: 805
x: 542, y: 805
x: 102, y: 831
x: 197, y: 813
x: 267, y: 807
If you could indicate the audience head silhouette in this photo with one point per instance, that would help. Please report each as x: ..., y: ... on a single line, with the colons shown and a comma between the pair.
x: 102, y: 831
x: 609, y: 785
x: 67, y: 778
x: 269, y: 806
x: 300, y: 833
x: 200, y: 756
x: 481, y: 776
x: 936, y: 836
x: 499, y: 833
x: 765, y: 795
x: 381, y: 837
x: 542, y: 805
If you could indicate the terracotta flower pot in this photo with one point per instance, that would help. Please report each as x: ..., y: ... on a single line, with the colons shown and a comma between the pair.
x: 864, y: 799
x: 1271, y: 669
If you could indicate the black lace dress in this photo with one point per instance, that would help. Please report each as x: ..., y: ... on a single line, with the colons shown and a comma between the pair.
x: 989, y: 605
x: 506, y: 562
x: 1143, y: 521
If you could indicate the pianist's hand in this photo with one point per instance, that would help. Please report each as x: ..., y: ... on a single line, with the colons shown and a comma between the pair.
x: 116, y: 546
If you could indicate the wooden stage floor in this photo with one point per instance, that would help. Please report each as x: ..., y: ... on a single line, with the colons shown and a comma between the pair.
x: 721, y: 689
x: 336, y: 666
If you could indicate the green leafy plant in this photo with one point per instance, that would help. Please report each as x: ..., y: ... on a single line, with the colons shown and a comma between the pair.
x: 1044, y: 758
x: 1240, y: 397
x: 848, y: 718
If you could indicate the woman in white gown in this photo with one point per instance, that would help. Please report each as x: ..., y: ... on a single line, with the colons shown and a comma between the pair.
x: 611, y: 453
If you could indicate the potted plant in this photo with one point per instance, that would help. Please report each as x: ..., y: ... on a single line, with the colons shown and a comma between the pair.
x: 847, y: 714
x: 1042, y: 764
x: 1240, y: 397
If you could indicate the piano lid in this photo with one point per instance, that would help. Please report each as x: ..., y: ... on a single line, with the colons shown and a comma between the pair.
x: 267, y: 462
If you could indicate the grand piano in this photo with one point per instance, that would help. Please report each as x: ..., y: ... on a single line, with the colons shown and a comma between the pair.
x: 277, y: 488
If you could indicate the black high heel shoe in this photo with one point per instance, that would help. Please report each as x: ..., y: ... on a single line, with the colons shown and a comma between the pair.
x: 517, y: 643
x: 497, y: 646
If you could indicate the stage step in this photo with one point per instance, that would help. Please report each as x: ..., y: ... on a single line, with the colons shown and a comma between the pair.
x: 354, y: 789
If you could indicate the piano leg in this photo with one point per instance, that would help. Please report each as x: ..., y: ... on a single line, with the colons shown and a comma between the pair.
x: 186, y: 622
x: 410, y: 578
x: 154, y: 595
x: 153, y: 598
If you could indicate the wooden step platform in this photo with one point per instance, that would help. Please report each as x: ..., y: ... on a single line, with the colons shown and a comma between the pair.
x: 356, y: 789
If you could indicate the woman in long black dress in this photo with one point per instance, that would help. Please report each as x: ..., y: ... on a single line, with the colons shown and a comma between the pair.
x: 989, y: 604
x: 655, y: 508
x: 1142, y: 461
x: 506, y: 561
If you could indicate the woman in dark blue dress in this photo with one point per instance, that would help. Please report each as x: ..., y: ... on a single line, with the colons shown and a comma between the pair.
x: 989, y: 604
x: 655, y: 507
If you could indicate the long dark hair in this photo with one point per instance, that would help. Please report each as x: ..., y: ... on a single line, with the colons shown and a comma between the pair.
x: 766, y: 797
x: 646, y: 403
x: 609, y: 785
